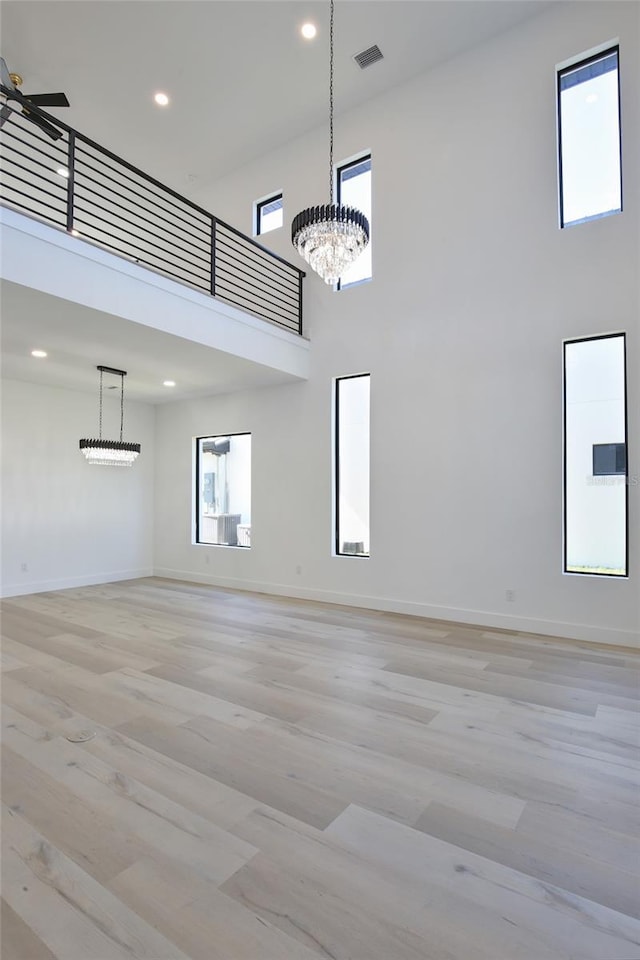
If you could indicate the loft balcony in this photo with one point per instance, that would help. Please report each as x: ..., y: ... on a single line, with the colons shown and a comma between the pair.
x: 80, y: 187
x: 81, y: 225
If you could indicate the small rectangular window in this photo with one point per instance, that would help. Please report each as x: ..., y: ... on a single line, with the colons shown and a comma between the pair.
x: 223, y: 490
x: 354, y: 190
x: 595, y: 457
x: 351, y: 479
x: 589, y: 139
x: 269, y: 214
x: 609, y: 459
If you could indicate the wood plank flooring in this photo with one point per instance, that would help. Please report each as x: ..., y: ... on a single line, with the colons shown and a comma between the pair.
x: 271, y: 779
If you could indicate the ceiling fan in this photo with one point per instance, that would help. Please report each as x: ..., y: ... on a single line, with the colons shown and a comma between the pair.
x: 11, y: 82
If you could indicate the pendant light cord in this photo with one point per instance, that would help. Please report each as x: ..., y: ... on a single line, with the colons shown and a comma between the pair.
x: 331, y: 101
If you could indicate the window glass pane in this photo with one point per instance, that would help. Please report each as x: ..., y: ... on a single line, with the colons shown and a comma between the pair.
x: 352, y: 466
x: 354, y: 190
x: 595, y: 457
x: 224, y: 490
x: 590, y: 139
x: 270, y: 214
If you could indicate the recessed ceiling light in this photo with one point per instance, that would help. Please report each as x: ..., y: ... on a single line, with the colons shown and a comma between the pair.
x: 161, y: 99
x: 308, y: 30
x: 63, y: 172
x: 39, y: 353
x: 591, y: 98
x: 168, y: 383
x: 75, y: 233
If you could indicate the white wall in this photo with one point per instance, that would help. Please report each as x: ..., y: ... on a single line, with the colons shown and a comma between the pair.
x: 474, y: 289
x: 71, y: 523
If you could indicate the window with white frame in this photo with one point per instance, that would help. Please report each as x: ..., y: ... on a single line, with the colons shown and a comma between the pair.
x: 223, y: 490
x: 353, y: 182
x: 589, y: 139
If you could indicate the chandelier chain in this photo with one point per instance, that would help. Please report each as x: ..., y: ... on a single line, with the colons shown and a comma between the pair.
x: 121, y: 404
x: 100, y: 418
x: 331, y: 17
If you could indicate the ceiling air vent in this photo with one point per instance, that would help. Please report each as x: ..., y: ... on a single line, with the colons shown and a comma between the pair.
x: 368, y: 56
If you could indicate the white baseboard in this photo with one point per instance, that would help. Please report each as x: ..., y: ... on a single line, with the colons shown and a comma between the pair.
x: 482, y: 618
x: 45, y: 586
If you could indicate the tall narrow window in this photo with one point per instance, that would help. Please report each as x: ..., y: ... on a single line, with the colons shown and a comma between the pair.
x: 589, y: 139
x: 351, y: 490
x: 354, y: 190
x: 269, y: 214
x: 223, y: 490
x: 595, y: 457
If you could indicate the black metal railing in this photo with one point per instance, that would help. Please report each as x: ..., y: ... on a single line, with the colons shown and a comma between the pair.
x: 83, y: 188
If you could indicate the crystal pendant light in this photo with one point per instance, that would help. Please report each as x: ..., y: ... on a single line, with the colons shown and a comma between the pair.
x: 332, y: 236
x: 110, y: 453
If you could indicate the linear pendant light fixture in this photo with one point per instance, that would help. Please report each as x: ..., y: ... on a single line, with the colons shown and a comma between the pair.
x: 110, y: 453
x: 332, y: 236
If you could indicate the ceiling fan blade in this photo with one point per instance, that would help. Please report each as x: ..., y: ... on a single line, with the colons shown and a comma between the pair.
x: 5, y: 113
x: 47, y: 99
x: 5, y: 77
x: 48, y: 128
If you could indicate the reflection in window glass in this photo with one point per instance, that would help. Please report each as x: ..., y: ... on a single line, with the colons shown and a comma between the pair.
x: 269, y: 214
x: 223, y: 493
x: 589, y: 117
x: 354, y: 190
x: 352, y: 465
x: 595, y: 456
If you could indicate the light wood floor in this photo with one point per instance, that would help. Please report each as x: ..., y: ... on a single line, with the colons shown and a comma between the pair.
x: 271, y: 779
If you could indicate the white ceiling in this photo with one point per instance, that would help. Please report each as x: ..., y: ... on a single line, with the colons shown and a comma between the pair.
x: 242, y: 81
x: 76, y: 339
x: 241, y: 78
